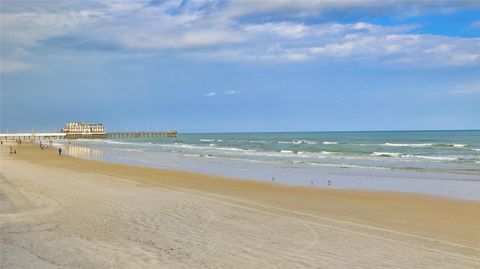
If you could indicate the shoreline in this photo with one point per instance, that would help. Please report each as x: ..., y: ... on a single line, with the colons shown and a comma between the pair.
x: 419, y: 227
x: 452, y: 185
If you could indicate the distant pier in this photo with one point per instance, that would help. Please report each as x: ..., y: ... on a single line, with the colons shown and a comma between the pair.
x: 81, y: 130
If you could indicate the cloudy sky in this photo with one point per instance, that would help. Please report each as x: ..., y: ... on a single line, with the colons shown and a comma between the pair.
x: 207, y: 66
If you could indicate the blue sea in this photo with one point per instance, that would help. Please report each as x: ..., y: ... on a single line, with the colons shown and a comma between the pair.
x: 307, y: 158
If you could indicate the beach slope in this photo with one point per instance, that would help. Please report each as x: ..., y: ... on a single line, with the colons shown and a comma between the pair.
x: 59, y: 211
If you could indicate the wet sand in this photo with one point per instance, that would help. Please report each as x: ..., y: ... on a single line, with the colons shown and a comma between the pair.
x: 59, y: 211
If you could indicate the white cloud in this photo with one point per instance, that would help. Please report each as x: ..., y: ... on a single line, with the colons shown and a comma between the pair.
x: 124, y: 6
x: 185, y: 40
x: 302, y: 9
x: 28, y: 28
x: 232, y: 92
x: 237, y: 9
x: 211, y: 31
x: 468, y: 88
x: 282, y: 29
x: 210, y: 94
x: 11, y: 66
x: 356, y: 43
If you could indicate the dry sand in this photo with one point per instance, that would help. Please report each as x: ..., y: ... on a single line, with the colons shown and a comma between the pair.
x: 58, y: 211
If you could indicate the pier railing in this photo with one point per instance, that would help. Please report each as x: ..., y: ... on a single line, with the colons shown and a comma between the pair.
x: 122, y: 135
x: 113, y: 135
x: 31, y: 136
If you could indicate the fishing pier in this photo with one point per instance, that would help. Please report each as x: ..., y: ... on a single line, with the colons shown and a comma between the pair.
x: 79, y: 130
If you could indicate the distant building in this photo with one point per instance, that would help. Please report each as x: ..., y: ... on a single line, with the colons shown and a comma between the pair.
x: 75, y: 130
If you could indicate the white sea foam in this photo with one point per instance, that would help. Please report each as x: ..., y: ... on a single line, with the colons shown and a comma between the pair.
x: 207, y: 140
x: 417, y: 145
x: 329, y: 143
x: 476, y: 149
x: 386, y: 154
x: 181, y: 145
x: 131, y: 150
x: 286, y: 151
x: 411, y: 156
x: 191, y: 155
x: 231, y: 149
x: 344, y: 165
x: 210, y: 147
x: 194, y: 147
x: 457, y: 145
x: 266, y: 154
x: 120, y: 142
x: 296, y: 142
x: 432, y: 158
x: 408, y: 145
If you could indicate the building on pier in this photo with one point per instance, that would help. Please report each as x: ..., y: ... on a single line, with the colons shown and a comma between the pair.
x: 76, y: 130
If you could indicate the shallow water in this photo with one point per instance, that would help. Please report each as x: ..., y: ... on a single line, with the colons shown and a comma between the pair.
x: 443, y: 163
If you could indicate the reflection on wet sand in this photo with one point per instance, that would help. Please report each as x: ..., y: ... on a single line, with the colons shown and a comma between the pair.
x: 84, y: 152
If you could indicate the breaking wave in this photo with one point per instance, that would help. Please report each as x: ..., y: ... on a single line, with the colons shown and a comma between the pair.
x: 457, y: 145
x: 408, y: 145
x: 433, y: 158
x: 386, y: 154
x: 411, y: 156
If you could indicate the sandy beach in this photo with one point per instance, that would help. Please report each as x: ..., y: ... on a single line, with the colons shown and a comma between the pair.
x: 64, y: 212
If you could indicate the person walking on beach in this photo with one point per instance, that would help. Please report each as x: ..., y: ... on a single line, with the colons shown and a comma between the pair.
x: 59, y: 151
x: 11, y: 150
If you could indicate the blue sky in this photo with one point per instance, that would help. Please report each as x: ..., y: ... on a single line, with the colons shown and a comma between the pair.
x: 227, y: 66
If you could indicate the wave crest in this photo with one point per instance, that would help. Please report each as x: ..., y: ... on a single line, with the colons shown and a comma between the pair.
x: 386, y: 154
x: 457, y: 145
x: 408, y: 145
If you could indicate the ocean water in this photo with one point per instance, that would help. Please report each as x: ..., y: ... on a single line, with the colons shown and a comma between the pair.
x: 452, y: 151
x: 311, y: 158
